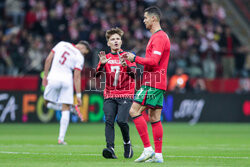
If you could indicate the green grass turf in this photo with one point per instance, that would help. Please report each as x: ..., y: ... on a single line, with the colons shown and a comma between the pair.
x: 183, y: 145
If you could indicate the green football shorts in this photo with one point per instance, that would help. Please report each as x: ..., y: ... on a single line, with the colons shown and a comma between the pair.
x: 150, y: 97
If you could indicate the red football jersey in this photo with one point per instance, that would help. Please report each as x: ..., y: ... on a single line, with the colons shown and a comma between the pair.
x: 156, y: 61
x: 118, y: 83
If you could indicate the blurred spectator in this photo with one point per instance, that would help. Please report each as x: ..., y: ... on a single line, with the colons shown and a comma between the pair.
x: 6, y: 63
x: 241, y: 58
x: 17, y: 58
x: 35, y: 57
x: 30, y: 18
x: 209, y: 66
x: 244, y: 86
x: 179, y: 81
x: 208, y: 43
x: 194, y: 69
x: 247, y: 64
x: 229, y: 45
x: 14, y: 10
x: 199, y: 86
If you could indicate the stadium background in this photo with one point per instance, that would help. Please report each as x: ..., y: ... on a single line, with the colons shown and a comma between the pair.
x: 205, y: 44
x: 215, y: 98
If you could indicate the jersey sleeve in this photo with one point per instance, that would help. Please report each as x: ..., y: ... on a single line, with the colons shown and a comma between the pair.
x: 100, y: 67
x: 56, y: 48
x: 132, y: 65
x: 79, y: 63
x: 158, y: 46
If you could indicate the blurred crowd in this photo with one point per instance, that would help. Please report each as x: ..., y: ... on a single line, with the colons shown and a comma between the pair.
x: 202, y: 44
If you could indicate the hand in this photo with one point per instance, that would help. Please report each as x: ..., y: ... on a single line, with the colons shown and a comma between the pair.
x: 123, y: 62
x: 129, y: 56
x: 103, y: 58
x: 79, y: 101
x: 45, y: 81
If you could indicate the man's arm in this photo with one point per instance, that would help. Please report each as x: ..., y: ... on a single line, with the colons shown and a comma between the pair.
x: 99, y: 69
x: 159, y: 44
x: 77, y: 82
x: 47, y: 65
x: 152, y: 61
x: 101, y: 64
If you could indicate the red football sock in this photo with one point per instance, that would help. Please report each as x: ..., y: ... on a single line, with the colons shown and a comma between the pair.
x: 142, y: 129
x: 157, y: 133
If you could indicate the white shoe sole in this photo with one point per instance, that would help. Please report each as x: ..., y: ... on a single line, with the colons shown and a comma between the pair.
x: 152, y: 160
x: 145, y: 158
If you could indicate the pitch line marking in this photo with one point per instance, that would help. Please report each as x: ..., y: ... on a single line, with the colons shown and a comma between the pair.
x: 169, y: 156
x: 209, y: 157
x: 46, y: 145
x: 30, y: 153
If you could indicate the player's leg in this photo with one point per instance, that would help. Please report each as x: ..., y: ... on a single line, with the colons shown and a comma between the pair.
x: 64, y: 122
x: 65, y: 97
x: 141, y: 126
x: 154, y: 114
x: 58, y: 106
x: 53, y: 106
x: 140, y: 123
x: 51, y: 93
x: 122, y: 117
x: 122, y: 120
x: 110, y: 111
x: 155, y: 119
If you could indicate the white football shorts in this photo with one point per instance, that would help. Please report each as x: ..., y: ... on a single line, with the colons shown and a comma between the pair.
x: 59, y: 92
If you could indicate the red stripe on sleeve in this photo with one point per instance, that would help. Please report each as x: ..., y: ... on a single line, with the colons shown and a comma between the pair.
x: 77, y: 69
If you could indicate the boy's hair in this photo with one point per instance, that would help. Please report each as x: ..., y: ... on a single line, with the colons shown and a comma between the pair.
x: 154, y: 10
x: 113, y: 31
x: 85, y: 43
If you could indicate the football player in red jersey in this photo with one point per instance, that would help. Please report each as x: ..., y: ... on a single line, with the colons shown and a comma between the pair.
x: 154, y: 84
x: 118, y: 92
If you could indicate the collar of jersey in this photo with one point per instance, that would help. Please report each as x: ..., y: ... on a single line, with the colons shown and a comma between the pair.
x: 157, y: 31
x: 121, y: 51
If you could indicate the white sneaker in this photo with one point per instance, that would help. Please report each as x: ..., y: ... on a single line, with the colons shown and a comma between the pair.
x: 145, y: 156
x: 62, y: 142
x: 155, y: 160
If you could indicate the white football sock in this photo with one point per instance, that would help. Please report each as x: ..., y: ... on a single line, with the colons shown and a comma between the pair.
x: 148, y: 148
x: 54, y: 106
x: 64, y: 122
x: 158, y: 155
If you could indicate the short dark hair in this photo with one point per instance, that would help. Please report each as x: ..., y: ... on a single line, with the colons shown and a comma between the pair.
x: 113, y: 31
x: 154, y: 10
x: 85, y: 43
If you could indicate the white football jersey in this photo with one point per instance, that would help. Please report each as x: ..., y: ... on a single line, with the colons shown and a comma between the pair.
x: 66, y: 58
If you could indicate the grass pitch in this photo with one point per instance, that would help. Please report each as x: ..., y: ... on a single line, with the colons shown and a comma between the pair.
x: 32, y: 145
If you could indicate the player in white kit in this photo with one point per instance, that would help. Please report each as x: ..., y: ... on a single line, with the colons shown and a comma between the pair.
x: 64, y: 59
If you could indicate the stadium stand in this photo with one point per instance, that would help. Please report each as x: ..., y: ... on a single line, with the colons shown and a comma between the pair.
x: 29, y: 29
